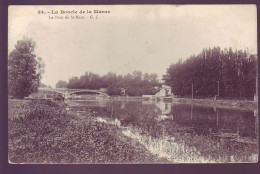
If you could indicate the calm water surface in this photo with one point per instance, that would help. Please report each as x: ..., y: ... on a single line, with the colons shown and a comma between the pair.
x: 182, y: 133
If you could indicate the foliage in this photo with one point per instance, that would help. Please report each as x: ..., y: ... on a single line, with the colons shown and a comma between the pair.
x: 24, y: 69
x: 42, y: 85
x: 235, y: 71
x: 59, y: 97
x: 46, y: 133
x: 135, y: 84
x: 61, y: 84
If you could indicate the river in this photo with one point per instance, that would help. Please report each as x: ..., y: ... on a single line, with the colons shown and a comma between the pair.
x: 181, y: 133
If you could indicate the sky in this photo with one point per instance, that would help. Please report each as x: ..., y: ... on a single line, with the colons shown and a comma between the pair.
x: 148, y: 38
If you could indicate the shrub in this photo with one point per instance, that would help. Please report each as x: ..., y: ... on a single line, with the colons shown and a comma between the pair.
x: 45, y: 133
x: 33, y: 131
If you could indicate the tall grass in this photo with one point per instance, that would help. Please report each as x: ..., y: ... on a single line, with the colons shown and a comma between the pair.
x: 46, y: 133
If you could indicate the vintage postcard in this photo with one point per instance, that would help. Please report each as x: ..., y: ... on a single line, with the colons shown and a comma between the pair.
x: 132, y: 84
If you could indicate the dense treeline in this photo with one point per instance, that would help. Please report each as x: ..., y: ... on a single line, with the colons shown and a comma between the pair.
x: 42, y: 85
x: 233, y: 71
x: 61, y: 84
x: 135, y: 84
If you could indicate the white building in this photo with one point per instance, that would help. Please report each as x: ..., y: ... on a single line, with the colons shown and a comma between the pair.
x: 164, y: 92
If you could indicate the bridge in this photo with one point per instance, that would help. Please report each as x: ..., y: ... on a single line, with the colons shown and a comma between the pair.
x: 70, y: 92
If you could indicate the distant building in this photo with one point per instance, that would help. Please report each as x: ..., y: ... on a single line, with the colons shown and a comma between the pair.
x: 123, y: 91
x: 165, y: 91
x: 148, y: 96
x: 255, y: 98
x: 104, y: 90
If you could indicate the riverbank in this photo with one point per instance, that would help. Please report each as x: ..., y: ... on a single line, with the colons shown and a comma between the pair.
x: 43, y: 131
x: 229, y: 104
x: 220, y: 103
x: 209, y: 138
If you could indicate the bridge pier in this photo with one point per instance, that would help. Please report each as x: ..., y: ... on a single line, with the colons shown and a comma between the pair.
x: 66, y: 94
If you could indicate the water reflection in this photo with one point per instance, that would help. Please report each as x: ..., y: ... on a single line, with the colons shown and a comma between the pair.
x: 165, y: 108
x: 207, y: 120
x: 182, y: 132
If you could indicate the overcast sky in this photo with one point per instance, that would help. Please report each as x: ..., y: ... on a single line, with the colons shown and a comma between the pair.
x: 146, y: 38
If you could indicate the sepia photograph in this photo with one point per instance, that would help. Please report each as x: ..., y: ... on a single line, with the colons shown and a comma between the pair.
x: 132, y: 84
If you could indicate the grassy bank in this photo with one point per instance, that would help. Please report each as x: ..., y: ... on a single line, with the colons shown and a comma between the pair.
x: 235, y: 104
x: 42, y: 131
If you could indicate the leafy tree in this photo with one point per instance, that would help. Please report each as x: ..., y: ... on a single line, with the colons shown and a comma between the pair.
x: 135, y: 84
x: 73, y: 83
x: 234, y: 72
x: 24, y: 69
x: 61, y: 84
x: 42, y: 85
x: 114, y: 89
